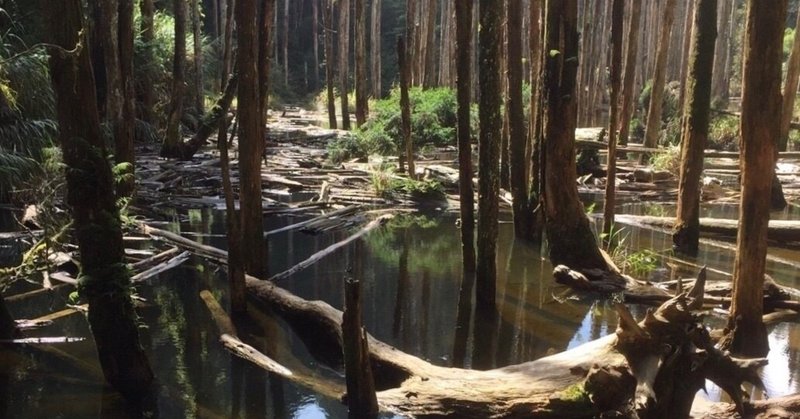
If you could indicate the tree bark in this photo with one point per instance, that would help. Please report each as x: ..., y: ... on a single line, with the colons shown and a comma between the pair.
x: 569, y: 235
x: 147, y: 9
x: 686, y: 234
x: 518, y: 136
x: 266, y: 15
x: 362, y: 103
x: 286, y: 11
x: 104, y: 280
x: 251, y: 138
x: 688, y: 29
x: 760, y: 125
x: 125, y: 129
x: 344, y: 63
x: 657, y: 90
x: 199, y: 94
x: 617, y: 12
x: 719, y: 90
x: 405, y: 106
x: 430, y: 45
x: 463, y: 23
x: 327, y: 22
x: 361, y: 398
x: 173, y: 136
x: 491, y: 122
x: 790, y: 88
x: 375, y: 53
x: 628, y: 95
x: 315, y: 41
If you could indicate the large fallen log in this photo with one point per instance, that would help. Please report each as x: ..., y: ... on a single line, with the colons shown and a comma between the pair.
x: 779, y: 230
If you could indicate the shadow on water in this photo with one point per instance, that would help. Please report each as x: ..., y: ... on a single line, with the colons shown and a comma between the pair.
x: 415, y: 297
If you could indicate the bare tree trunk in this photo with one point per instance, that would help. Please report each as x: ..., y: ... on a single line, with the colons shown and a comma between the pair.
x: 491, y: 121
x: 405, y: 106
x: 286, y: 12
x: 476, y: 17
x: 760, y: 125
x: 688, y: 29
x: 686, y: 235
x: 617, y: 21
x: 125, y: 129
x: 518, y: 136
x: 173, y: 137
x: 362, y: 103
x: 463, y: 11
x: 266, y: 17
x: 315, y: 41
x: 344, y: 63
x: 148, y: 94
x: 721, y: 81
x: 790, y: 88
x: 430, y: 45
x: 657, y: 90
x: 327, y: 22
x: 411, y: 30
x: 362, y: 401
x: 227, y: 61
x: 375, y: 44
x: 628, y: 94
x: 446, y: 41
x: 104, y: 281
x: 533, y: 152
x: 251, y: 138
x: 569, y: 235
x: 199, y: 93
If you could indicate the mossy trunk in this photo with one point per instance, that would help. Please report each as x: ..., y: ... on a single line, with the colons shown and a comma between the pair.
x: 172, y: 139
x: 327, y: 21
x: 105, y: 279
x: 125, y: 126
x: 686, y: 236
x: 463, y: 23
x: 491, y: 123
x: 790, y: 89
x: 569, y: 235
x: 148, y: 95
x: 760, y: 126
x: 617, y: 11
x: 344, y: 60
x: 653, y: 128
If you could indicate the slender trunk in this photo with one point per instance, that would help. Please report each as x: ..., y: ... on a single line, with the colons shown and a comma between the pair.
x: 686, y: 235
x: 628, y: 95
x: 362, y: 103
x: 430, y: 43
x: 518, y: 136
x: 411, y: 30
x: 147, y: 9
x: 344, y: 60
x: 463, y: 11
x: 688, y: 32
x: 251, y: 139
x: 446, y: 40
x: 361, y: 399
x: 199, y: 94
x: 719, y: 87
x: 405, y: 106
x: 659, y: 79
x: 533, y: 152
x: 760, y: 125
x: 104, y: 281
x: 286, y: 12
x: 569, y: 235
x: 375, y: 44
x: 315, y: 40
x: 266, y: 16
x: 491, y: 123
x: 790, y: 88
x: 227, y: 61
x: 173, y: 136
x: 617, y: 12
x: 327, y: 22
x: 125, y: 129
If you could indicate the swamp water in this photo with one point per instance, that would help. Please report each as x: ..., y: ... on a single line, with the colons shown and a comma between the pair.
x: 411, y: 292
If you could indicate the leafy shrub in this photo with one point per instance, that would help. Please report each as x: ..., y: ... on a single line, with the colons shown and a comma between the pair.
x: 669, y: 160
x: 723, y: 133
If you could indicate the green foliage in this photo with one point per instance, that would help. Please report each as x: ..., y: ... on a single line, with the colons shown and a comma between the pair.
x: 387, y: 184
x: 433, y: 123
x: 669, y: 160
x: 640, y: 263
x: 575, y: 393
x: 723, y: 133
x: 670, y: 108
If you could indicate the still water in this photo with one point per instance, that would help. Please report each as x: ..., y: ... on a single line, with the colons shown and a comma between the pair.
x: 413, y: 299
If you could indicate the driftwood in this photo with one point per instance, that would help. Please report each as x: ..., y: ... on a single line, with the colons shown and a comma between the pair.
x: 779, y: 230
x: 307, y: 224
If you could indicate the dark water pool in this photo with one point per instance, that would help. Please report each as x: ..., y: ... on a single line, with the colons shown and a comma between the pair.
x: 411, y: 284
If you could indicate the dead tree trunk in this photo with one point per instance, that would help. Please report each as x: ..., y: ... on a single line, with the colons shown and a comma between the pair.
x: 375, y: 54
x: 405, y: 106
x: 569, y: 235
x: 617, y: 12
x: 251, y: 138
x: 104, y: 280
x: 344, y: 63
x: 628, y: 95
x: 327, y: 23
x: 491, y: 123
x: 173, y: 135
x: 790, y: 88
x: 686, y: 235
x: 463, y: 23
x: 659, y: 75
x: 361, y: 398
x: 361, y: 63
x: 760, y: 126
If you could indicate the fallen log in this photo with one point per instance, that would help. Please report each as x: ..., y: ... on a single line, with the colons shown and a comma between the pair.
x: 779, y: 230
x: 337, y: 213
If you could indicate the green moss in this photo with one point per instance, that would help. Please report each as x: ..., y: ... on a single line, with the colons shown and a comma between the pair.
x: 575, y: 393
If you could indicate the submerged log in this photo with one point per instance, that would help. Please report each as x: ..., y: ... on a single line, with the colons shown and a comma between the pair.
x: 779, y: 230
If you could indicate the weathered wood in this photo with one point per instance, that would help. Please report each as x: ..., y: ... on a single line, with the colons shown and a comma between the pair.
x: 779, y: 230
x: 361, y: 398
x: 161, y: 268
x: 341, y: 212
x: 218, y: 314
